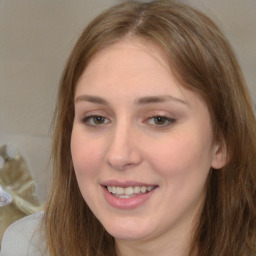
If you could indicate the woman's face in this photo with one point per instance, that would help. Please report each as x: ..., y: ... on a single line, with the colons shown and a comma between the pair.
x: 141, y: 143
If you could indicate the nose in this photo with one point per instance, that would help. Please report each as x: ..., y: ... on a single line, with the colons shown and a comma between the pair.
x: 123, y: 151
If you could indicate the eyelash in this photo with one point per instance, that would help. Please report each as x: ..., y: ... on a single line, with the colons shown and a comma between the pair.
x: 164, y: 121
x: 167, y: 121
x: 87, y: 120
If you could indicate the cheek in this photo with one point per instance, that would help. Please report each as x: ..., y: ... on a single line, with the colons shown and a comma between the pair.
x: 182, y: 155
x: 85, y: 155
x: 184, y: 166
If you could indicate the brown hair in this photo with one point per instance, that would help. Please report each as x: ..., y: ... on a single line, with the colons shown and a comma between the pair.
x: 204, y: 62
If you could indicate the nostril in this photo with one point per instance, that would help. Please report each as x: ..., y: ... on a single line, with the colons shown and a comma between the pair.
x: 123, y: 160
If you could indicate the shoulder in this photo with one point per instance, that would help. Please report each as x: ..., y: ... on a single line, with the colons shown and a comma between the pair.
x: 23, y: 237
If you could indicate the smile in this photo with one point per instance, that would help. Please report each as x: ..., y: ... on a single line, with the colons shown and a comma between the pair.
x: 128, y: 192
x: 127, y: 196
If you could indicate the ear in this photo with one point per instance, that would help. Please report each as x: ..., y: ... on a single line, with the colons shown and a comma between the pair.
x: 219, y: 157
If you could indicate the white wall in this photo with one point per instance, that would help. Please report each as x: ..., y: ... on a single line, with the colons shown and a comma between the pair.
x: 35, y: 40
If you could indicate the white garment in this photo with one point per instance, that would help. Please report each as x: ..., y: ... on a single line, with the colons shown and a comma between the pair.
x: 22, y: 238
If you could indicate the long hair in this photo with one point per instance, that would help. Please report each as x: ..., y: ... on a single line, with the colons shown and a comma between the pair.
x: 203, y: 61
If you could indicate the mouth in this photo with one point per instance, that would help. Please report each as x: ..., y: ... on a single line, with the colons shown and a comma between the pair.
x: 127, y: 195
x: 129, y: 192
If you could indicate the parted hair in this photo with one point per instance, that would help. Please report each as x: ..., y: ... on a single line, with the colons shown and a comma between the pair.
x: 203, y: 61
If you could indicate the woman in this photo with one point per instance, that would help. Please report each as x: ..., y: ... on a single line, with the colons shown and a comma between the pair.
x: 154, y: 140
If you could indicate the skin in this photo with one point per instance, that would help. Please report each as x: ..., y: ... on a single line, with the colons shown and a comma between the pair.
x: 128, y: 143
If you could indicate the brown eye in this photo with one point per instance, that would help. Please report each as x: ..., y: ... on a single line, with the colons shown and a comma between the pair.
x: 95, y: 120
x: 160, y: 120
x: 98, y: 119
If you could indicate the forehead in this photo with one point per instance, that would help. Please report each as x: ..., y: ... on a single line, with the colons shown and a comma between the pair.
x: 133, y: 44
x: 129, y: 70
x: 129, y: 58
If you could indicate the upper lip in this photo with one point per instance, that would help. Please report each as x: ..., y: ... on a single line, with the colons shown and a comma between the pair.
x: 125, y: 184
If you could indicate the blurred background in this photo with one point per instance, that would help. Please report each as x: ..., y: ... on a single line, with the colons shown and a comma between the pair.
x: 36, y: 38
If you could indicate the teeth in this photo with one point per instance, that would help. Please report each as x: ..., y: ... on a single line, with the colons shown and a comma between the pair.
x: 129, y: 191
x: 143, y: 189
x: 137, y: 189
x: 150, y: 188
x: 119, y: 191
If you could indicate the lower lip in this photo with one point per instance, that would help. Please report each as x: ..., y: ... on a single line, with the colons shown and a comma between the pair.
x: 127, y: 203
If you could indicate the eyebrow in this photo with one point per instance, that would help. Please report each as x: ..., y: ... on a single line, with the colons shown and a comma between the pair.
x: 141, y: 101
x: 159, y: 99
x: 92, y: 99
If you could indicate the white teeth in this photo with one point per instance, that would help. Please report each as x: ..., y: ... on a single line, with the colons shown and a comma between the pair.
x: 143, y: 189
x: 129, y: 191
x: 123, y: 196
x: 149, y: 188
x: 119, y: 191
x: 137, y: 189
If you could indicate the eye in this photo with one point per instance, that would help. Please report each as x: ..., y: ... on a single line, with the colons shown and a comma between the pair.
x: 161, y: 121
x: 95, y: 120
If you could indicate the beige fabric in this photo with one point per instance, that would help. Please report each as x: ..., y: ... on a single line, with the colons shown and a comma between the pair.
x: 15, y: 178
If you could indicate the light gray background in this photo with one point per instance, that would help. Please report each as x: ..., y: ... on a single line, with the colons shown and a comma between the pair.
x: 35, y: 40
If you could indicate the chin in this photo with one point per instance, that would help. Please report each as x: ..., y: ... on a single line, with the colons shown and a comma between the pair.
x: 128, y: 232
